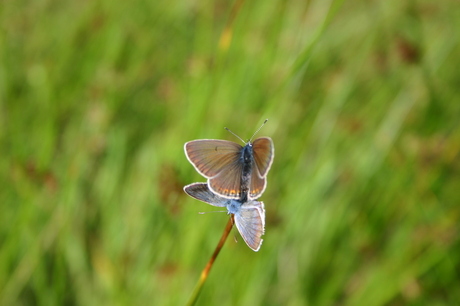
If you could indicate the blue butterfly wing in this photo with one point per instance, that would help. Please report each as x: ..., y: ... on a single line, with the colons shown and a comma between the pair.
x: 250, y: 222
x: 200, y: 191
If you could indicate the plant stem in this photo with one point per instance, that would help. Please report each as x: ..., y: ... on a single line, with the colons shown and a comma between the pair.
x: 205, y: 272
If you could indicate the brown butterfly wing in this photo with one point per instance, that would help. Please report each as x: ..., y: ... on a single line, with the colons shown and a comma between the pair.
x: 211, y: 156
x: 263, y: 157
x: 228, y: 182
x: 257, y: 184
x: 264, y: 151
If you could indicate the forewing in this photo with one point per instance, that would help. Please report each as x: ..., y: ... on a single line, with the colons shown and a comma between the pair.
x: 200, y: 191
x: 228, y: 182
x: 211, y: 156
x: 250, y: 222
x: 264, y: 151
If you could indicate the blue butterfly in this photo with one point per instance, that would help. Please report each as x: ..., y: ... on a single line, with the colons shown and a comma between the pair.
x: 249, y: 216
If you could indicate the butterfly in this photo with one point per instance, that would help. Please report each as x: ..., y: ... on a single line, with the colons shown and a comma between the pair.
x: 249, y: 216
x: 233, y: 171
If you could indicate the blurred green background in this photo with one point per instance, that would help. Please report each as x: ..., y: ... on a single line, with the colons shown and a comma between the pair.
x: 98, y: 98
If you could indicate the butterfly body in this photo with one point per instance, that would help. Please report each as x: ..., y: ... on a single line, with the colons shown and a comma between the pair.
x: 247, y: 159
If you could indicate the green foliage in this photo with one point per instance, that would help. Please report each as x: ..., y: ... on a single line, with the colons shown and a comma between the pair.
x: 97, y: 99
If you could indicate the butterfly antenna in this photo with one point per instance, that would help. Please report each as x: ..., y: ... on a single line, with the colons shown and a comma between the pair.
x: 235, y: 135
x: 258, y: 130
x: 207, y: 212
x: 250, y: 139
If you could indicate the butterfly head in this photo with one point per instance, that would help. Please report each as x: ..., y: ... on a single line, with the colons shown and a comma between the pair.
x: 233, y: 207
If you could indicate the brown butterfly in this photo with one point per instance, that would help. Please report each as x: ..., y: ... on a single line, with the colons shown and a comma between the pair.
x: 233, y: 171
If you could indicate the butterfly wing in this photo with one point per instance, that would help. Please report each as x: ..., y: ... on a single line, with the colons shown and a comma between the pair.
x: 264, y: 151
x: 218, y: 161
x: 200, y: 191
x: 228, y: 182
x: 257, y: 185
x: 211, y: 156
x: 250, y: 222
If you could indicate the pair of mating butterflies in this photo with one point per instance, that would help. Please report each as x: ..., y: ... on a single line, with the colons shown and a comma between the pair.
x: 236, y: 179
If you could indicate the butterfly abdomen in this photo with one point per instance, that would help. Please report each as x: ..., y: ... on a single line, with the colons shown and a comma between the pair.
x: 247, y: 156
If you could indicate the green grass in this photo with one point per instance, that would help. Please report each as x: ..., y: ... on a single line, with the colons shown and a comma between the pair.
x: 97, y: 99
